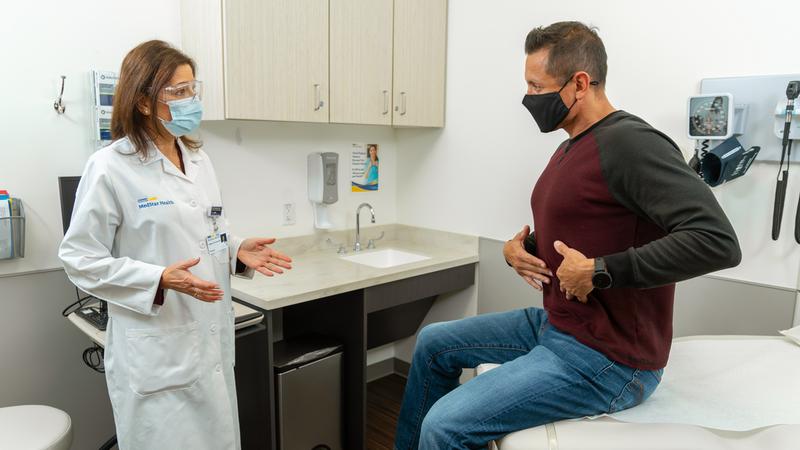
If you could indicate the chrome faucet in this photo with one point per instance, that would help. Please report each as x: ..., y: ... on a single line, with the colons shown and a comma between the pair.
x: 357, y: 246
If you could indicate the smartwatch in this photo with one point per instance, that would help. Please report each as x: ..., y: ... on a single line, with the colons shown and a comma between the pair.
x: 601, y: 278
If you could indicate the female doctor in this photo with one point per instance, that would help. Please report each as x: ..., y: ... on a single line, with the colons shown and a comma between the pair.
x: 149, y: 236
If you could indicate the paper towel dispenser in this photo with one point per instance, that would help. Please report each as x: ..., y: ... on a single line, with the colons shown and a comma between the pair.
x: 323, y: 184
x: 323, y: 169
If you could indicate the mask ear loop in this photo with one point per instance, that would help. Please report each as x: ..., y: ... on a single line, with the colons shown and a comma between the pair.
x: 591, y: 83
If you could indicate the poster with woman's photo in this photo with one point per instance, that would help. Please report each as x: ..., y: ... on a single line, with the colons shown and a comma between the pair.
x: 365, y: 168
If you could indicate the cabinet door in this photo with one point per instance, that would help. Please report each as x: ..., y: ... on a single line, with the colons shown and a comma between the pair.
x: 361, y: 61
x: 276, y: 60
x: 420, y: 43
x: 201, y: 32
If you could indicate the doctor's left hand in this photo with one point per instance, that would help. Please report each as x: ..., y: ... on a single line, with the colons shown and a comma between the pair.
x: 178, y: 278
x: 256, y: 254
x: 575, y: 272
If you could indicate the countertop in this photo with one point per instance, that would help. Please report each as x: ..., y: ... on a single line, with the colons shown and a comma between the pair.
x: 318, y: 271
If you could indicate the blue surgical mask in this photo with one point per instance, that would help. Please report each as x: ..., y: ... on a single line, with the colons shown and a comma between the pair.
x: 186, y: 116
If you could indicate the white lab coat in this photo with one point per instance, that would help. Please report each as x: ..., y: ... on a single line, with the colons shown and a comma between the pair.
x: 169, y: 368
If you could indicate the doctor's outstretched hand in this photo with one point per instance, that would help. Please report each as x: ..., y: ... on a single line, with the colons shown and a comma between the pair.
x: 256, y: 254
x: 178, y: 278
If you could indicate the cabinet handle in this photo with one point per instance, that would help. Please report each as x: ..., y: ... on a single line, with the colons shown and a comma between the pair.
x: 385, y: 102
x: 402, y: 103
x: 318, y: 103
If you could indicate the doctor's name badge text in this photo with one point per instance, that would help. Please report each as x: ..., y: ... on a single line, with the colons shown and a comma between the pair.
x: 149, y: 202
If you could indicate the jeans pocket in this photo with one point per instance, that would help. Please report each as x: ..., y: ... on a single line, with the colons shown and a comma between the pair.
x: 163, y: 359
x: 637, y: 390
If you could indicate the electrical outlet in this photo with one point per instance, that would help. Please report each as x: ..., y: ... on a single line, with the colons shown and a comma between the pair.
x: 289, y: 216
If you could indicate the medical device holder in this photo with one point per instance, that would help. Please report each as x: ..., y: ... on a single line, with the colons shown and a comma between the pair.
x: 16, y: 231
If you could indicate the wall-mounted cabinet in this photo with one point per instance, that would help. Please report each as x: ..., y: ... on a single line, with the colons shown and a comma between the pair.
x: 361, y: 61
x: 276, y: 60
x: 376, y: 62
x: 420, y: 45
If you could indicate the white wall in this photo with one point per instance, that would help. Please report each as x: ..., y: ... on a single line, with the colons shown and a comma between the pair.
x: 41, y: 41
x: 260, y: 165
x: 476, y: 175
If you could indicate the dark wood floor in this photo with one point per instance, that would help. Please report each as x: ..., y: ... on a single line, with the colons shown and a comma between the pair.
x: 383, y: 406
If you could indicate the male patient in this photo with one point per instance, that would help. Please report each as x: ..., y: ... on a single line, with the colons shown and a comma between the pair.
x: 620, y: 217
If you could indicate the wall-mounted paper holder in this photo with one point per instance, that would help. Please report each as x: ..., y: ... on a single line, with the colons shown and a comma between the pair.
x: 12, y: 232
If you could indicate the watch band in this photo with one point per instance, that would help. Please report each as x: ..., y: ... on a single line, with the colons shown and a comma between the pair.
x: 599, y: 265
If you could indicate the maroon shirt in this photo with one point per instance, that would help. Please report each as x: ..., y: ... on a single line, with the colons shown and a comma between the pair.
x: 621, y: 190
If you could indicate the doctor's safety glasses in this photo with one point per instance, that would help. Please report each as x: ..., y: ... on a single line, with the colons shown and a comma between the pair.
x: 182, y: 91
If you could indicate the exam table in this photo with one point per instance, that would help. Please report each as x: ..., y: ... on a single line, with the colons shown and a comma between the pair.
x: 717, y: 392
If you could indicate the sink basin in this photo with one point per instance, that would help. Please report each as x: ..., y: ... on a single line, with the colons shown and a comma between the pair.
x: 385, y: 258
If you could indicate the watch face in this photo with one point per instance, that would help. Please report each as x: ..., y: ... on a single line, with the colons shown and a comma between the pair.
x: 708, y: 116
x: 601, y: 280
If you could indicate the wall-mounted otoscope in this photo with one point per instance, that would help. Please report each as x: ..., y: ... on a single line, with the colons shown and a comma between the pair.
x: 792, y: 92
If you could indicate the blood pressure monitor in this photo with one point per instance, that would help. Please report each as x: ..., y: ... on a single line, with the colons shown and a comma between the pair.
x: 711, y: 116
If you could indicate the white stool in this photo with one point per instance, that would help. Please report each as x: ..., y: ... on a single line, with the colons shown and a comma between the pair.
x: 35, y: 427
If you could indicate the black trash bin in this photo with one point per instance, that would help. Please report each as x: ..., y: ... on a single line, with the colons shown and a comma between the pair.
x: 308, y: 392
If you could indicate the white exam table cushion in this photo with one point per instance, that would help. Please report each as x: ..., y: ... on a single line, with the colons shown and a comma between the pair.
x: 727, y: 392
x: 606, y: 433
x: 735, y: 383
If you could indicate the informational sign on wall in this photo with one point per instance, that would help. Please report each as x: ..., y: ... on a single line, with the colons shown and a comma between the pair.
x: 365, y: 168
x: 104, y: 83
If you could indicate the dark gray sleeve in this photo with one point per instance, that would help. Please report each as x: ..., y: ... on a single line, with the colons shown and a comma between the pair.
x: 646, y: 173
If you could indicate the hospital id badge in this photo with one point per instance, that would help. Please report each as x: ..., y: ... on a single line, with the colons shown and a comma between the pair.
x: 217, y: 242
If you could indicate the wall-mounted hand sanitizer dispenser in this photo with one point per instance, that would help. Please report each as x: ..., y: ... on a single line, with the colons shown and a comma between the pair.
x: 323, y: 183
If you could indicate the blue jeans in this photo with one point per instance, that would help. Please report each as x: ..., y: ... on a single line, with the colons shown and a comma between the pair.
x: 546, y: 376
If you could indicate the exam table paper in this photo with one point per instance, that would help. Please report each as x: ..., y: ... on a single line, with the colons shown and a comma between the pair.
x: 793, y: 334
x: 735, y: 383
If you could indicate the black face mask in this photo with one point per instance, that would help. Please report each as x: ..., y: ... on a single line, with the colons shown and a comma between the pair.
x: 549, y: 110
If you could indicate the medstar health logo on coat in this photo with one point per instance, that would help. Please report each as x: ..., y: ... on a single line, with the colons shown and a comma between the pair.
x: 149, y: 202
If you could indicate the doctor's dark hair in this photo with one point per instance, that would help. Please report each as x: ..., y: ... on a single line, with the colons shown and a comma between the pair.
x: 573, y: 47
x: 146, y: 70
